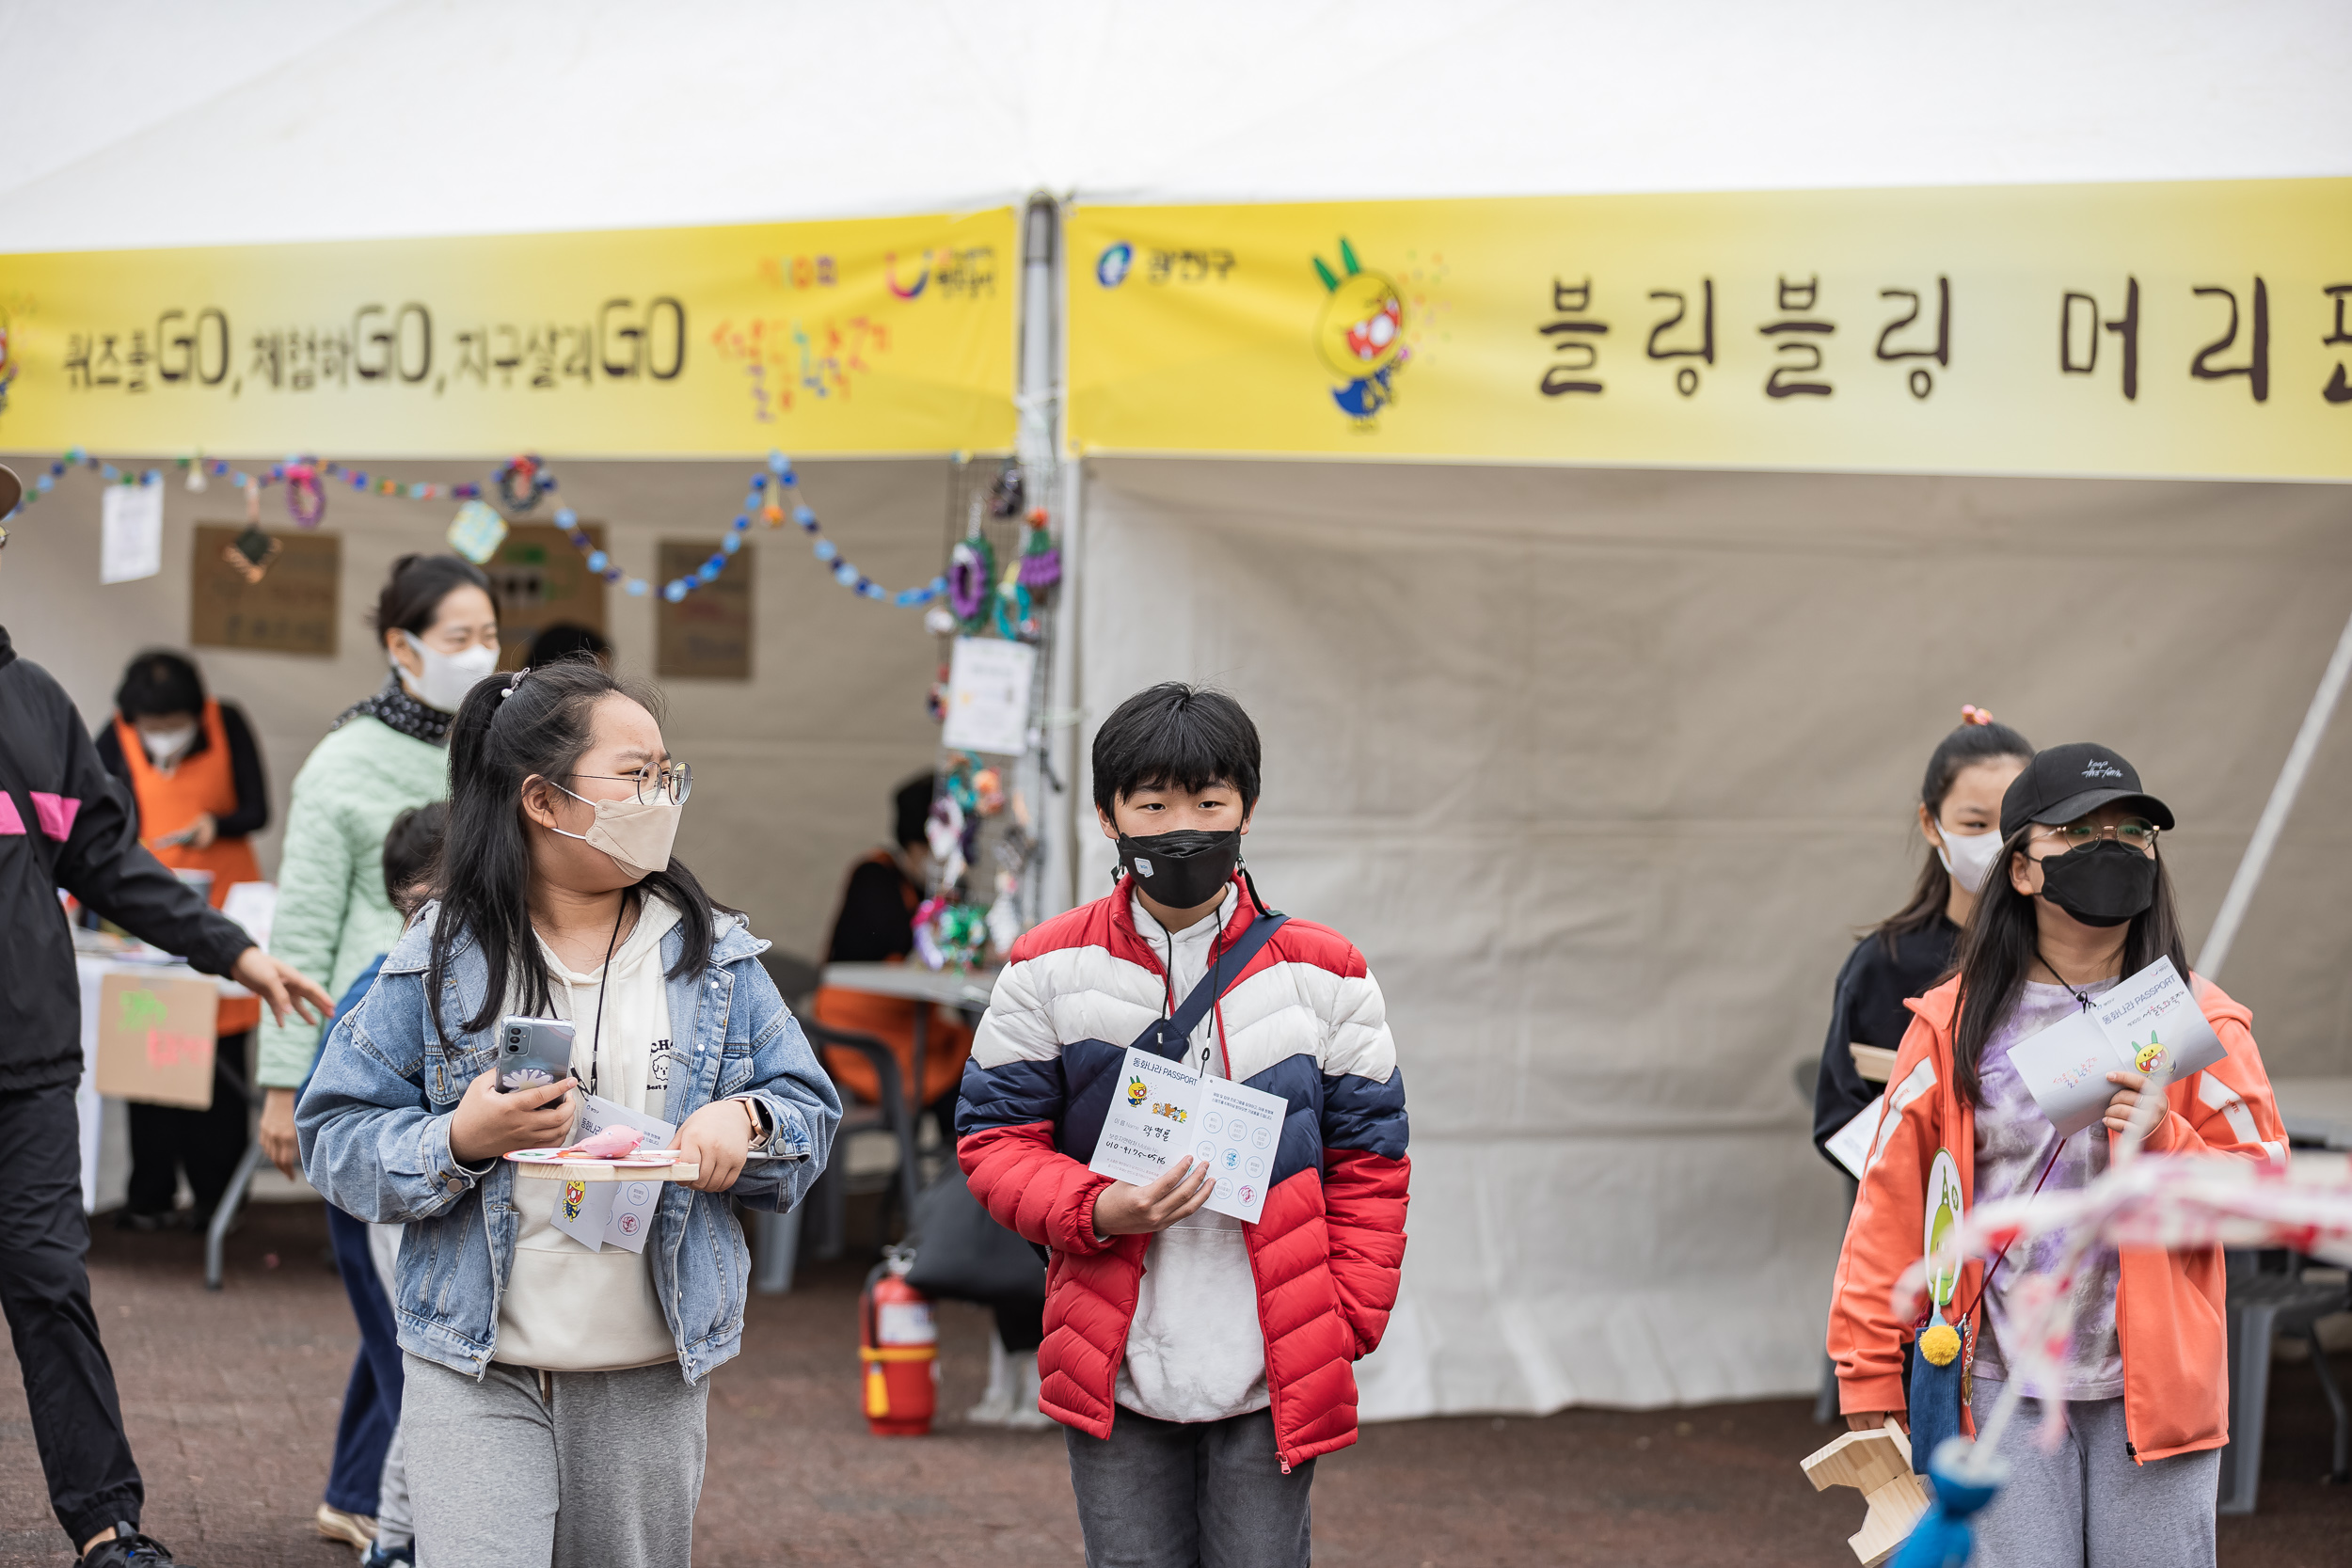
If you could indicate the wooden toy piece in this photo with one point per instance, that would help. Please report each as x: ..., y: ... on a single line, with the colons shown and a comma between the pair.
x: 1877, y: 1464
x: 595, y: 1170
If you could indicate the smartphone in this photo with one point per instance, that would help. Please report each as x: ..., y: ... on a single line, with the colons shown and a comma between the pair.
x: 532, y: 1053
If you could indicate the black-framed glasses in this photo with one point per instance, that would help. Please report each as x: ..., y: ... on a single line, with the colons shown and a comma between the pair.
x: 671, y: 782
x: 2133, y: 832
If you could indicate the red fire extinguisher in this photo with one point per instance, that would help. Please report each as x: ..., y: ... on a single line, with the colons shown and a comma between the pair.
x: 898, y: 1343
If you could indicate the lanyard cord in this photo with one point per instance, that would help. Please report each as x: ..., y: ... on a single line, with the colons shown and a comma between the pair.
x: 604, y: 984
x: 2080, y: 995
x: 1168, y: 975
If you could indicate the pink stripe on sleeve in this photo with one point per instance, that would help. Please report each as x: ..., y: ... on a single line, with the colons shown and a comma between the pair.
x: 11, y: 825
x: 56, y: 814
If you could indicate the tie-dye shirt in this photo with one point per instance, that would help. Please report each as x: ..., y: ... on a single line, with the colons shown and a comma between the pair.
x: 2015, y: 1142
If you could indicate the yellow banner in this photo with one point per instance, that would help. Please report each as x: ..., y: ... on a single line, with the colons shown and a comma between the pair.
x: 2160, y: 329
x: 873, y: 336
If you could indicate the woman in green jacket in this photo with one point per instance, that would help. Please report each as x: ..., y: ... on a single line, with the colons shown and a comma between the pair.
x: 380, y: 757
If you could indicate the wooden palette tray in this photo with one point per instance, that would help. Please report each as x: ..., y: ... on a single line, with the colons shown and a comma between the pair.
x: 604, y: 1170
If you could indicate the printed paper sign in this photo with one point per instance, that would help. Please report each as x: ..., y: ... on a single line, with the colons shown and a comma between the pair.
x: 616, y: 1213
x: 1162, y: 1112
x: 2150, y: 1023
x: 2154, y: 1022
x: 1849, y: 1146
x: 987, y: 696
x: 131, y: 539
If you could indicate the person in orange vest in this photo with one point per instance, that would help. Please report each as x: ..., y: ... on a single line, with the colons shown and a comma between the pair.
x: 876, y: 925
x: 195, y: 780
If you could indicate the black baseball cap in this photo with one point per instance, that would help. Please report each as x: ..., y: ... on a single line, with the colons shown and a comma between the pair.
x: 11, y: 490
x: 2072, y: 781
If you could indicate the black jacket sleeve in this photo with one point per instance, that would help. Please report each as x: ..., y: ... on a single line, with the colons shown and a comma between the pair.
x: 1841, y: 1093
x: 244, y: 767
x: 102, y: 863
x: 873, y: 924
x: 109, y: 748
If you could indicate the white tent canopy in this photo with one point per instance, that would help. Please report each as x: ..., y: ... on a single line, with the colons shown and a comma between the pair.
x: 139, y: 122
x: 1600, y: 768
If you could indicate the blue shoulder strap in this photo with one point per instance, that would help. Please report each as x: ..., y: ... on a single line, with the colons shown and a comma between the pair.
x: 1166, y: 1037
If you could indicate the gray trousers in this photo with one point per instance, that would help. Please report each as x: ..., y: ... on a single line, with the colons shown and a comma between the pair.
x: 2089, y: 1504
x: 529, y: 1469
x: 1190, y: 1495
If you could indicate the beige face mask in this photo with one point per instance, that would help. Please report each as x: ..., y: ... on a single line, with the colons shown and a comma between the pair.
x: 636, y: 833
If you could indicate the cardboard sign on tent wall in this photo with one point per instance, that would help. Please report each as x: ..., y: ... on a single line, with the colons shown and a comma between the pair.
x: 707, y: 635
x: 289, y: 609
x: 540, y: 579
x: 2191, y: 330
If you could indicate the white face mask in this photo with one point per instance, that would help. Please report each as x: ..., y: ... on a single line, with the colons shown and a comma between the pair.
x: 447, y: 677
x: 164, y: 747
x: 1968, y: 856
x: 636, y: 833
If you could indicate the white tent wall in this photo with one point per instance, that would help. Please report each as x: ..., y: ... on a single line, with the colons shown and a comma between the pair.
x: 1602, y: 770
x: 793, y: 769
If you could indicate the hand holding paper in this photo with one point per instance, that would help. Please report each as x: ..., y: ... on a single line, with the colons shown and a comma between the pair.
x: 2147, y: 1031
x: 1163, y: 1115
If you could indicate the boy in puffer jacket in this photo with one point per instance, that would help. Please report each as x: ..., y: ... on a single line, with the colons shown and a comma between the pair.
x: 1200, y: 1363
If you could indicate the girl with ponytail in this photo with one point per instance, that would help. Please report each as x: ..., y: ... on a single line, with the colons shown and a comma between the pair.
x: 1959, y: 810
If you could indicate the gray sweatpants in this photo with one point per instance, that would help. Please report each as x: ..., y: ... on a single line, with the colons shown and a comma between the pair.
x: 2089, y: 1504
x: 1190, y: 1495
x: 528, y: 1469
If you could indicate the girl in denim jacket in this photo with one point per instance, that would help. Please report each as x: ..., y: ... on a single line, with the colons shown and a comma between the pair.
x: 556, y: 1389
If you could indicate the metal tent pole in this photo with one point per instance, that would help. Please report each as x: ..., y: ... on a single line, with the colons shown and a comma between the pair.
x: 2274, y: 817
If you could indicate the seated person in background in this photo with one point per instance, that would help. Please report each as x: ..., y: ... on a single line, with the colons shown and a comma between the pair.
x: 563, y: 641
x: 877, y: 925
x: 196, y: 780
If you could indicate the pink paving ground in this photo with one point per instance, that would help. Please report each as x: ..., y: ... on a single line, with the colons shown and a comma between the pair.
x: 231, y: 1401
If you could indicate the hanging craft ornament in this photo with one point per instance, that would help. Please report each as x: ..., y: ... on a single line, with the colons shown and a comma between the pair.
x: 305, y: 502
x: 477, y: 532
x: 1003, y: 496
x: 971, y: 567
x: 530, y: 474
x: 1013, y: 621
x: 1040, y: 560
x: 251, y: 555
x: 194, y: 480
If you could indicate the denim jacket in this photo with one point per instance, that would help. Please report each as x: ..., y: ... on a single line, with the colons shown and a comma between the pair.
x: 374, y: 1125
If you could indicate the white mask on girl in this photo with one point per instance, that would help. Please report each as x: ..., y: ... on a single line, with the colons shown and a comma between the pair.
x: 164, y: 747
x: 1968, y: 856
x: 447, y: 677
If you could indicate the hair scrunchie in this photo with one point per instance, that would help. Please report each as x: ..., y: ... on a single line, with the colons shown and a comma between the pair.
x: 1971, y: 714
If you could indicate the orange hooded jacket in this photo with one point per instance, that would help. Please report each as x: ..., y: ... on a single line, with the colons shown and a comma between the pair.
x: 2169, y: 1314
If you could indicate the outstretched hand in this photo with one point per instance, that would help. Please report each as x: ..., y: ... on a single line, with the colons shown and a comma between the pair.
x: 283, y: 987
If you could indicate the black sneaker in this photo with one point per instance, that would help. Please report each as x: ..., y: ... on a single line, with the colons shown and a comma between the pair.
x: 128, y: 1548
x: 147, y: 1224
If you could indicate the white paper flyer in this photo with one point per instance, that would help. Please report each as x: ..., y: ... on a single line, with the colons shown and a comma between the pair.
x: 1162, y: 1112
x: 2149, y: 1024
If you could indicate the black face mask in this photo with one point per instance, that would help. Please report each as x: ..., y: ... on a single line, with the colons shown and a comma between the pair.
x: 1181, y: 870
x: 2100, y: 885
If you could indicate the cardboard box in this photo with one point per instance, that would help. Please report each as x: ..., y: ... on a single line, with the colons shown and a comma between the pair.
x: 155, y: 1038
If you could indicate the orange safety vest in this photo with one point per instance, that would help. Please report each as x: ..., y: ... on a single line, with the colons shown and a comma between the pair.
x: 891, y: 1021
x: 169, y: 802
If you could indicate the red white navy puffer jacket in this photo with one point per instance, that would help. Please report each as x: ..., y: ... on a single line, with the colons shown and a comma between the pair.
x: 1305, y: 1022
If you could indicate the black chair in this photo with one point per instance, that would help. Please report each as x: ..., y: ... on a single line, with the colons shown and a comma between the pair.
x: 2261, y: 1306
x: 779, y: 1235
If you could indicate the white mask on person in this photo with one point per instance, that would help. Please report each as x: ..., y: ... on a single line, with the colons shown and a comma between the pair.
x: 636, y: 833
x: 164, y: 747
x: 1968, y: 856
x: 447, y: 677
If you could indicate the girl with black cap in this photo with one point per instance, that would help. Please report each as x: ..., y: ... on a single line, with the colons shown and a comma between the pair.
x: 2080, y: 898
x: 1960, y: 808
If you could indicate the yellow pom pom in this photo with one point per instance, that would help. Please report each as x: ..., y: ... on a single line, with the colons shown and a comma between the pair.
x: 1940, y: 1344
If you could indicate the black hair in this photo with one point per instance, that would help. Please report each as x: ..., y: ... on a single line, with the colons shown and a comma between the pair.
x: 159, y: 682
x: 565, y: 640
x: 1998, y: 951
x: 911, y: 808
x: 508, y: 730
x: 1977, y: 740
x: 412, y: 851
x: 412, y: 594
x: 1175, y: 736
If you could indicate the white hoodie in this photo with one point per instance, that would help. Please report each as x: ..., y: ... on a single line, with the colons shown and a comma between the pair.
x: 1195, y: 1350
x: 566, y: 1308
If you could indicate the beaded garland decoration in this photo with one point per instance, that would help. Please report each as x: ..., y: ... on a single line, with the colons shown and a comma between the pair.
x: 773, y: 499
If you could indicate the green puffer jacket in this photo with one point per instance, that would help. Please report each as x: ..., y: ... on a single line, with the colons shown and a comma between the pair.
x: 332, y: 916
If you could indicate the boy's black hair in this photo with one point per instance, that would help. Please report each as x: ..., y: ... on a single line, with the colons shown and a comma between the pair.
x: 157, y: 683
x: 411, y: 850
x: 1179, y: 736
x: 911, y: 808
